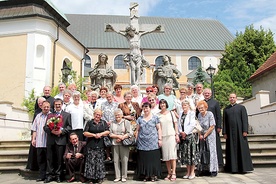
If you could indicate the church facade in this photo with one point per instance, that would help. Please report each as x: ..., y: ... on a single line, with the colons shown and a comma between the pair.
x: 37, y: 40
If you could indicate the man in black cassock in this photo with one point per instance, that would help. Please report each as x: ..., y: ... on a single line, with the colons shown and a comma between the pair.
x: 235, y: 129
x: 214, y: 107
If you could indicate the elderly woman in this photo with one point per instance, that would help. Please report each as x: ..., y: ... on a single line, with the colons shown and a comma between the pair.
x: 76, y: 111
x: 183, y: 96
x: 208, y: 136
x: 102, y: 99
x: 108, y: 108
x: 149, y: 90
x: 88, y: 109
x: 168, y: 96
x: 170, y: 138
x: 188, y: 147
x: 118, y: 94
x: 154, y: 106
x: 94, y: 131
x: 120, y: 129
x: 131, y: 110
x: 149, y: 140
x: 136, y: 97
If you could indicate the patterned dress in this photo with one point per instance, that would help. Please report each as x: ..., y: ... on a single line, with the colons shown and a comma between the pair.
x: 148, y: 161
x: 205, y: 122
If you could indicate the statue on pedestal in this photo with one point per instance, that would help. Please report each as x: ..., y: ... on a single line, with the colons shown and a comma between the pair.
x: 102, y: 75
x: 166, y: 73
x: 133, y: 33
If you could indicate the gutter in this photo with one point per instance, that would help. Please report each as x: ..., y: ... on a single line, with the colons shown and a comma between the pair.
x: 54, y: 57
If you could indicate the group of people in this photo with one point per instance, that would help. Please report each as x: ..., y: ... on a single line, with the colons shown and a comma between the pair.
x: 67, y: 129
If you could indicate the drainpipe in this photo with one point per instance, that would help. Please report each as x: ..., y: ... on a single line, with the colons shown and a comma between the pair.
x: 54, y: 57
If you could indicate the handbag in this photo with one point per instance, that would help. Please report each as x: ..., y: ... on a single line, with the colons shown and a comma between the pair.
x: 205, y: 153
x: 130, y: 141
x: 107, y: 141
x: 197, y: 128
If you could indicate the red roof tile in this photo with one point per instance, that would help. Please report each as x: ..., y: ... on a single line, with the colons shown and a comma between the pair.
x: 265, y: 67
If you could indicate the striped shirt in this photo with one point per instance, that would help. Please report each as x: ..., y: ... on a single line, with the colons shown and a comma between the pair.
x: 41, y: 136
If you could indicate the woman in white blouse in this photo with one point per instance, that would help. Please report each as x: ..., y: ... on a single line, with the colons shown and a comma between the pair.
x: 188, y: 147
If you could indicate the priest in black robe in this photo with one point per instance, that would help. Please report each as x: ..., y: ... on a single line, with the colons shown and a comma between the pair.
x: 214, y: 107
x: 235, y: 129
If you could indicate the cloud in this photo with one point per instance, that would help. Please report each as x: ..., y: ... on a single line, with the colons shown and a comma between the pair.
x: 103, y: 7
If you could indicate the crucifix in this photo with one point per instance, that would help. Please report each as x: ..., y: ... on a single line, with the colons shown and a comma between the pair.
x: 133, y: 33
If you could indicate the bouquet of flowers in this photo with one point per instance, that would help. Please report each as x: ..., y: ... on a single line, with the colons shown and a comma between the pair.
x: 54, y: 121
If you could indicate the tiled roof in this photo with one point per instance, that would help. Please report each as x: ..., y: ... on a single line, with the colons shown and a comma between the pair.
x: 179, y: 33
x: 27, y: 8
x: 265, y: 67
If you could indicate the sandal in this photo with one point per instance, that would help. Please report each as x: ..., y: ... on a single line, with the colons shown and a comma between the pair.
x: 168, y: 177
x: 153, y: 178
x: 145, y: 179
x: 173, y: 177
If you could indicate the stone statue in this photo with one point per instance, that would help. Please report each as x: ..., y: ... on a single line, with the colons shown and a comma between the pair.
x: 133, y: 33
x: 166, y: 73
x: 101, y: 75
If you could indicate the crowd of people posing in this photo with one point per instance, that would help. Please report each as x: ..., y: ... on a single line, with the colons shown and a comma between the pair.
x: 67, y: 129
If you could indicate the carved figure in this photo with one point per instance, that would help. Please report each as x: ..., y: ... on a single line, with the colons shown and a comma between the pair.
x: 133, y: 33
x: 101, y: 75
x: 166, y: 73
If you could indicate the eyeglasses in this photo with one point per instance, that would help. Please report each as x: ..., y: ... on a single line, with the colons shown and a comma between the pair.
x: 182, y: 92
x: 151, y: 100
x: 149, y: 91
x: 168, y: 88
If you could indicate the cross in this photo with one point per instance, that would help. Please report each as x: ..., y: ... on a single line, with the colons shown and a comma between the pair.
x: 133, y: 33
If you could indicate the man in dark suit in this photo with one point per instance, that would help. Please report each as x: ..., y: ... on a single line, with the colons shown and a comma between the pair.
x: 47, y: 96
x: 74, y: 157
x: 56, y: 142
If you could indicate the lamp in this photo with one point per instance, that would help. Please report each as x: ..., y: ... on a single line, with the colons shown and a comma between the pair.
x: 211, y: 71
x: 65, y: 73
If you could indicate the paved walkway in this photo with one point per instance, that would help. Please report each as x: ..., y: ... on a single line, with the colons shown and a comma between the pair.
x: 260, y: 175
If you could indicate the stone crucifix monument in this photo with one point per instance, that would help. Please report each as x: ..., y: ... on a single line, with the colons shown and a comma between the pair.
x: 133, y: 33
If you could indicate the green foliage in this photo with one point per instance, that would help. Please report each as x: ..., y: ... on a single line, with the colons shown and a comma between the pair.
x: 199, y: 77
x: 240, y: 60
x: 29, y: 102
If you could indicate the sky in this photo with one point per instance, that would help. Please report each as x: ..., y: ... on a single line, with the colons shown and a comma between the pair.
x: 235, y: 15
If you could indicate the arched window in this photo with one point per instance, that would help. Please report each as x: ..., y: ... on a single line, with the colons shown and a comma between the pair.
x: 119, y: 62
x: 193, y: 63
x: 87, y: 61
x: 158, y: 61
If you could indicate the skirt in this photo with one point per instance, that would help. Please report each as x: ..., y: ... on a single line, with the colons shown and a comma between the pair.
x: 148, y: 163
x: 94, y: 164
x: 169, y: 148
x: 189, y: 150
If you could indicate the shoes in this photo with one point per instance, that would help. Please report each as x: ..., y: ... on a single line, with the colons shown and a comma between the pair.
x: 40, y: 179
x: 108, y: 159
x: 116, y: 180
x: 71, y: 180
x: 58, y: 180
x: 191, y: 177
x: 168, y: 177
x: 82, y: 179
x: 153, y: 178
x: 123, y: 180
x: 48, y: 180
x: 186, y: 177
x: 173, y: 177
x: 214, y: 174
x: 145, y: 179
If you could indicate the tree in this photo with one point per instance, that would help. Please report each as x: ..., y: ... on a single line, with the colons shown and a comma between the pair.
x: 199, y: 76
x: 241, y: 59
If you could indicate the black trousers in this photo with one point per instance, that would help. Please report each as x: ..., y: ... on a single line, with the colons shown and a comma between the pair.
x: 55, y: 163
x: 42, y: 161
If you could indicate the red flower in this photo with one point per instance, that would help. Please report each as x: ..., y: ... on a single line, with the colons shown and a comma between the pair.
x: 54, y: 121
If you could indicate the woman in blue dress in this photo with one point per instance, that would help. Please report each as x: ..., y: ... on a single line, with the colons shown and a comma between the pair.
x: 149, y: 140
